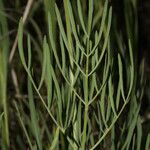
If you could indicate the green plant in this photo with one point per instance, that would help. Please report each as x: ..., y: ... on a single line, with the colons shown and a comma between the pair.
x: 82, y: 83
x: 81, y: 75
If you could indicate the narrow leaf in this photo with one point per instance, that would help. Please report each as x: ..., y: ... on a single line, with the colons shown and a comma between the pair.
x: 81, y: 16
x: 111, y: 96
x: 43, y: 64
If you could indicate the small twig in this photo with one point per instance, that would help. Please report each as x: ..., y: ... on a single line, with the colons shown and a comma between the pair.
x: 24, y: 18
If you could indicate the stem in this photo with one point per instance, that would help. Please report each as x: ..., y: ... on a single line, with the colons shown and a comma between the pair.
x: 84, y: 128
x: 83, y: 144
x: 4, y: 104
x: 6, y: 128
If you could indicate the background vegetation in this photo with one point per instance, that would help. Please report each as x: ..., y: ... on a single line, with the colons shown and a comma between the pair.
x: 74, y: 74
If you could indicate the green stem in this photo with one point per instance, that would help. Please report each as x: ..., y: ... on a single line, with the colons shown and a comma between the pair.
x: 6, y: 135
x: 4, y: 104
x: 84, y: 128
x: 4, y: 47
x: 83, y: 144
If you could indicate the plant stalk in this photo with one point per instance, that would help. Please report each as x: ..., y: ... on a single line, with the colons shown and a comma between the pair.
x: 83, y: 144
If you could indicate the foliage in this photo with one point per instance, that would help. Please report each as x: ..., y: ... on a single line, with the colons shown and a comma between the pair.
x: 87, y: 90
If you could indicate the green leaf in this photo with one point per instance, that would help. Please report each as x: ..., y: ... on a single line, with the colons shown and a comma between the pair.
x: 81, y: 16
x: 58, y: 93
x: 139, y: 133
x: 21, y: 53
x: 102, y: 105
x: 104, y: 81
x: 65, y: 41
x: 90, y: 16
x: 121, y: 77
x: 110, y: 87
x: 113, y: 138
x: 43, y: 64
x: 63, y: 54
x: 48, y: 74
x: 72, y: 21
x: 131, y: 69
x: 52, y: 41
x: 29, y: 52
x: 20, y: 44
x: 101, y: 27
x: 108, y: 111
x: 118, y: 95
x: 105, y: 42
